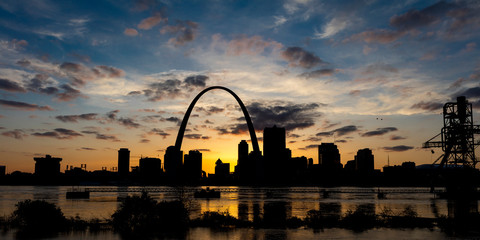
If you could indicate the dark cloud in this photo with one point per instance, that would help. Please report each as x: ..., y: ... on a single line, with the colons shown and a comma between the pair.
x: 196, y: 136
x: 24, y: 106
x: 38, y: 84
x: 75, y: 118
x: 429, y: 106
x: 234, y: 129
x: 313, y: 139
x: 298, y: 57
x: 283, y: 114
x: 420, y: 18
x: 210, y: 110
x: 399, y: 148
x: 196, y: 81
x: 107, y: 71
x: 209, y: 122
x: 173, y: 119
x: 318, y: 73
x: 59, y: 133
x: 470, y: 93
x: 339, y: 131
x: 132, y: 93
x: 144, y: 140
x: 112, y: 115
x: 23, y: 63
x: 72, y: 67
x: 203, y: 150
x: 379, y: 132
x: 313, y: 146
x: 128, y: 122
x: 17, y: 134
x: 458, y: 83
x: 395, y: 137
x: 88, y: 149
x: 102, y: 136
x: 159, y: 132
x: 184, y: 31
x: 69, y: 93
x: 168, y: 89
x: 341, y: 141
x: 10, y: 86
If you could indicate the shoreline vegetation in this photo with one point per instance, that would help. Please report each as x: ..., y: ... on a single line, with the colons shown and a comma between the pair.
x: 142, y: 216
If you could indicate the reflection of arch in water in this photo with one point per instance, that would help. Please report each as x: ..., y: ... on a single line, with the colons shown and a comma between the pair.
x: 181, y: 131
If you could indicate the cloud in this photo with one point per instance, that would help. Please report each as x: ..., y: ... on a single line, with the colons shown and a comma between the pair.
x: 399, y: 148
x: 24, y: 106
x: 144, y: 140
x: 88, y: 149
x: 17, y: 134
x: 196, y: 136
x: 128, y: 122
x: 379, y: 131
x: 102, y: 136
x: 75, y: 118
x: 38, y: 84
x: 339, y: 131
x: 79, y: 74
x: 333, y: 27
x: 159, y: 132
x: 318, y: 73
x: 470, y: 93
x: 142, y: 5
x: 173, y: 119
x: 10, y: 86
x: 419, y: 18
x: 209, y: 110
x: 185, y: 31
x: 429, y: 106
x: 172, y: 88
x: 283, y: 114
x: 395, y: 137
x: 152, y: 21
x: 108, y: 71
x: 203, y: 150
x: 69, y: 93
x: 312, y: 146
x: 196, y: 81
x: 250, y: 45
x: 130, y: 32
x: 298, y: 57
x: 376, y: 36
x: 59, y: 133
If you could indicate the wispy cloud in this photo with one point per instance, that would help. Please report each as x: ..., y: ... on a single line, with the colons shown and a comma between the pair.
x: 24, y: 106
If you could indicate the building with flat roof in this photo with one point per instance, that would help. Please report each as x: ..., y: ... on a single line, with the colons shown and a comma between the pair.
x: 123, y: 162
x: 47, y: 166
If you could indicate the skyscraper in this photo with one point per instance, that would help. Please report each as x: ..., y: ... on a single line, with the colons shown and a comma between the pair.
x: 276, y: 155
x: 192, y: 165
x: 364, y: 161
x: 173, y: 162
x: 329, y: 156
x: 123, y: 162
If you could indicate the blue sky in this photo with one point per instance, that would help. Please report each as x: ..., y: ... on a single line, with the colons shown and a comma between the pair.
x: 80, y: 79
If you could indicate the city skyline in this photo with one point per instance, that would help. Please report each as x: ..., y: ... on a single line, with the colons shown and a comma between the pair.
x: 80, y: 80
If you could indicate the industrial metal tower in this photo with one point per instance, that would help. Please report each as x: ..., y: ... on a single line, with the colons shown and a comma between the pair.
x: 457, y: 135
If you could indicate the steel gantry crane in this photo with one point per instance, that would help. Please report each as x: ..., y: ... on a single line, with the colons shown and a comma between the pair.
x: 457, y: 135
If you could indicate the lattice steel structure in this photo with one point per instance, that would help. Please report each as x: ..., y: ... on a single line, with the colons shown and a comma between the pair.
x: 457, y: 135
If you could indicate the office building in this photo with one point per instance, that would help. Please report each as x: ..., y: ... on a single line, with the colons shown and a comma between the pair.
x: 329, y: 156
x: 364, y: 161
x: 123, y: 162
x: 222, y: 170
x: 2, y: 171
x: 192, y: 165
x: 173, y: 162
x: 276, y: 155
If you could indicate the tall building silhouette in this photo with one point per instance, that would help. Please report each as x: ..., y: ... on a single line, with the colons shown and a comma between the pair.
x: 47, y: 166
x: 364, y: 161
x: 173, y: 162
x: 276, y: 155
x: 2, y: 170
x: 329, y: 156
x: 222, y: 170
x: 123, y: 162
x: 192, y: 165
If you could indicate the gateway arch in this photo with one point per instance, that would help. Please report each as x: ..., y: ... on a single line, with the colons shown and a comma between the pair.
x: 183, y: 126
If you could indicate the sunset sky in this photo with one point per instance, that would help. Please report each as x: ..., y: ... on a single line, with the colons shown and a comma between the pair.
x: 81, y: 79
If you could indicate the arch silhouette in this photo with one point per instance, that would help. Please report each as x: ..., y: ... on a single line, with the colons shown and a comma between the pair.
x: 181, y: 131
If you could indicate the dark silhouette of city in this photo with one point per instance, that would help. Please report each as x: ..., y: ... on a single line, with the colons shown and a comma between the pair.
x: 275, y: 166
